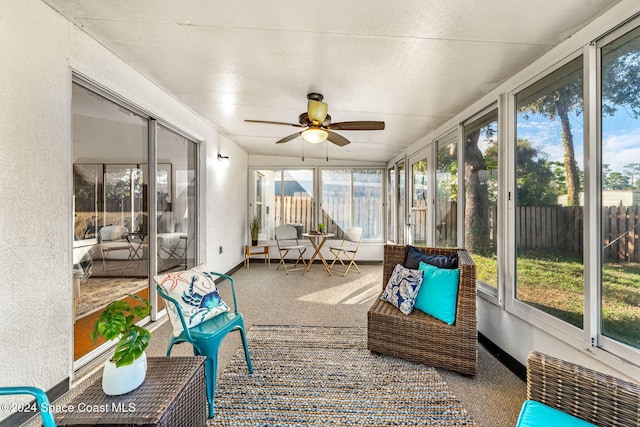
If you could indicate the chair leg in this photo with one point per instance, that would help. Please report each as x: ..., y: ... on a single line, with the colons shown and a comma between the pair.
x: 352, y: 263
x: 246, y: 349
x: 211, y: 368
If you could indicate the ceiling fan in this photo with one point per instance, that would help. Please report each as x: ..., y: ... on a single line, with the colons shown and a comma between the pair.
x: 318, y: 124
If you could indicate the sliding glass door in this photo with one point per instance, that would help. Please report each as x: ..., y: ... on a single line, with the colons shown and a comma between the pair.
x: 116, y: 250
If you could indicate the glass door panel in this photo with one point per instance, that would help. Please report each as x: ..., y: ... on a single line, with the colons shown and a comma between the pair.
x: 110, y: 145
x: 419, y: 200
x: 401, y: 204
x: 176, y: 201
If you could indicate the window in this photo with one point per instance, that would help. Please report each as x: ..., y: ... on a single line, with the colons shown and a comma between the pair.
x: 391, y: 205
x: 419, y: 199
x: 352, y: 197
x: 548, y: 196
x: 446, y: 209
x: 481, y: 194
x: 401, y: 200
x: 620, y: 189
x: 283, y: 196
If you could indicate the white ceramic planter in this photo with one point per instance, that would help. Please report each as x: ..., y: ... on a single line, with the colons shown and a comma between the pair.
x: 116, y: 381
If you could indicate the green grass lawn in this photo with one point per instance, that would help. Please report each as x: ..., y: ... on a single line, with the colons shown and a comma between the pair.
x: 554, y: 283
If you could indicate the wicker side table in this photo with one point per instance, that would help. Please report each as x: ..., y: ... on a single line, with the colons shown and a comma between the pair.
x: 172, y: 394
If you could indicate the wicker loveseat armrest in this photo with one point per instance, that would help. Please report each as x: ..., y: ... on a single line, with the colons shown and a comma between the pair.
x: 595, y: 397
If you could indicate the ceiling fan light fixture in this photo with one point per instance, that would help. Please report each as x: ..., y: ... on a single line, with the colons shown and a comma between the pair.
x: 317, y: 111
x: 315, y: 135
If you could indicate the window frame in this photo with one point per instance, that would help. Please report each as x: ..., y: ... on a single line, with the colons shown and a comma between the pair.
x: 554, y: 326
x: 603, y: 346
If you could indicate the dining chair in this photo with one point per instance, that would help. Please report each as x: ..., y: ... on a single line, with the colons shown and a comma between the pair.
x: 347, y: 249
x: 205, y: 337
x: 41, y: 399
x: 287, y: 241
x: 114, y: 239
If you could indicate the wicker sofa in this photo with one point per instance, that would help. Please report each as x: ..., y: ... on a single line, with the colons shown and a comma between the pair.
x: 419, y: 337
x: 592, y: 396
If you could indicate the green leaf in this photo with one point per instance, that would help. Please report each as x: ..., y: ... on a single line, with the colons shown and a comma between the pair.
x: 111, y: 326
x: 131, y: 346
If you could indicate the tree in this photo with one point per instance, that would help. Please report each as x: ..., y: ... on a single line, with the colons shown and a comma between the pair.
x: 632, y: 172
x: 476, y: 215
x: 620, y: 89
x: 562, y: 99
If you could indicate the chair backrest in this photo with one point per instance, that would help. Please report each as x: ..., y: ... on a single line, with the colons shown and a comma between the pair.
x: 286, y: 232
x: 353, y: 234
x: 286, y: 235
x: 113, y: 232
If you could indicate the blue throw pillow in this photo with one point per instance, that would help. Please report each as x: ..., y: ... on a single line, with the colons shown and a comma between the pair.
x: 439, y: 292
x: 413, y: 256
x: 536, y: 414
x: 402, y: 288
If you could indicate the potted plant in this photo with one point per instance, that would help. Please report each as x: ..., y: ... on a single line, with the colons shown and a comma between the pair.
x: 126, y: 369
x: 254, y: 227
x: 321, y: 228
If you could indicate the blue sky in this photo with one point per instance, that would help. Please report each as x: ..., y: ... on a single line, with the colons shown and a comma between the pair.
x: 621, y: 138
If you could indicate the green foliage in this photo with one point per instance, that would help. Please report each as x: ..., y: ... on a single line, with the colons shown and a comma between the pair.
x: 254, y: 227
x: 553, y: 282
x: 118, y: 320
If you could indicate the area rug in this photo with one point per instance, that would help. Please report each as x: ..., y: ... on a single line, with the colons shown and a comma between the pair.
x: 97, y: 292
x: 320, y: 376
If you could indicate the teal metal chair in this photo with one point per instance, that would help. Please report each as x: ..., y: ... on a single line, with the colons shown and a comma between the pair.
x: 41, y: 399
x: 207, y: 336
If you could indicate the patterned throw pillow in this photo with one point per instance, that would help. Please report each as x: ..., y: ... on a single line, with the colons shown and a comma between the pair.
x: 196, y: 292
x: 402, y: 288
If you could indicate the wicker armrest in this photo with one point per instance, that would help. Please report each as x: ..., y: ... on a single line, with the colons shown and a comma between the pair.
x: 601, y: 399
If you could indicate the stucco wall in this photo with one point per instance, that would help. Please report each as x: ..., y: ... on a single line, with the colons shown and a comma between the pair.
x: 38, y: 51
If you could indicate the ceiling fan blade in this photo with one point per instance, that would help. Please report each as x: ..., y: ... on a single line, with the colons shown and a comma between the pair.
x: 274, y: 123
x: 360, y: 125
x: 337, y: 139
x: 289, y: 138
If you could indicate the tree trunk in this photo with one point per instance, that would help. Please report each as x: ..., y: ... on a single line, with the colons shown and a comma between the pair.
x: 476, y: 215
x: 570, y: 167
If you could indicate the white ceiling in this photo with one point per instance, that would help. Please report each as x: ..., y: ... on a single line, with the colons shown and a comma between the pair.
x: 412, y: 63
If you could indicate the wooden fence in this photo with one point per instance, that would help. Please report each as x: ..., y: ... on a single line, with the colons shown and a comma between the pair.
x: 548, y: 228
x: 336, y: 214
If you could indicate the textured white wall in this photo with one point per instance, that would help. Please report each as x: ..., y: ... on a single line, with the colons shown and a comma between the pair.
x: 38, y: 51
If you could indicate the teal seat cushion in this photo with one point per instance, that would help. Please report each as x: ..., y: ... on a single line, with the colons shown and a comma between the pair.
x: 536, y: 414
x: 439, y: 292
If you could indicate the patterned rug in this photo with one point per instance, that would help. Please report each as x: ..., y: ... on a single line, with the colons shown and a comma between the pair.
x: 319, y: 376
x: 97, y: 292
